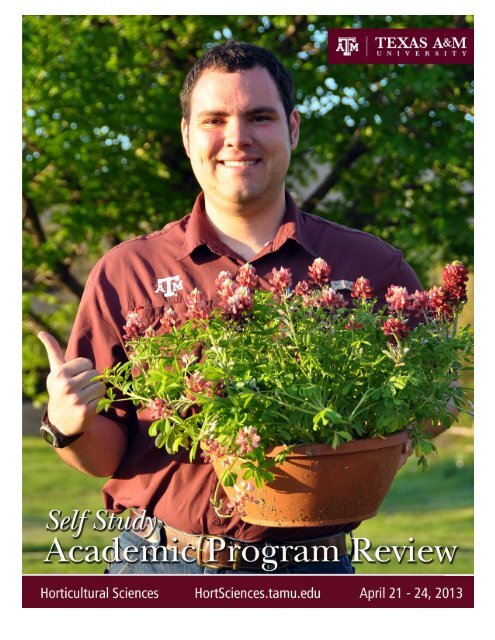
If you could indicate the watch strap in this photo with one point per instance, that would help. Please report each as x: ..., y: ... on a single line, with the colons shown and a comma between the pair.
x: 53, y: 436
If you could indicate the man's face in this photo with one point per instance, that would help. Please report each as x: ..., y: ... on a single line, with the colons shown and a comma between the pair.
x: 238, y: 138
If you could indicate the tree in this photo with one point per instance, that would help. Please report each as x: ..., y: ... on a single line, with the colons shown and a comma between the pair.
x: 384, y: 148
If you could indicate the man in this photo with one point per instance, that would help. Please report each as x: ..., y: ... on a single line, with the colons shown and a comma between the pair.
x: 239, y: 127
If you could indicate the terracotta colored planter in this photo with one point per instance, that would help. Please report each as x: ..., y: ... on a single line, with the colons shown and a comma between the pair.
x: 318, y: 485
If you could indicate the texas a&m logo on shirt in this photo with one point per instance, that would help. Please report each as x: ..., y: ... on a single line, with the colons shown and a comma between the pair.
x: 169, y: 286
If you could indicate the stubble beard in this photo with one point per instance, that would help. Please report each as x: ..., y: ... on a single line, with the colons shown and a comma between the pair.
x: 249, y: 194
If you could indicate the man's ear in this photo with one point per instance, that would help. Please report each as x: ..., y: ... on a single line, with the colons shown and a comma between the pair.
x: 294, y: 121
x: 184, y: 127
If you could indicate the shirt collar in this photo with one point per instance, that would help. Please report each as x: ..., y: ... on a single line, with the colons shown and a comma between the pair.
x: 199, y: 230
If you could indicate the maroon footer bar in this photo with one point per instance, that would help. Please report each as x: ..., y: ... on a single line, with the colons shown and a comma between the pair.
x: 227, y: 591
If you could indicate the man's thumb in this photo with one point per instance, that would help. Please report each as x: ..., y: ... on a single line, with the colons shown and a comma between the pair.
x: 53, y: 350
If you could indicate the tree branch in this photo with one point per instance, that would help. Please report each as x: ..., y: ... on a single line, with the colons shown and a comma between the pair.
x: 66, y: 277
x: 60, y: 269
x: 358, y: 219
x: 355, y: 151
x: 32, y: 215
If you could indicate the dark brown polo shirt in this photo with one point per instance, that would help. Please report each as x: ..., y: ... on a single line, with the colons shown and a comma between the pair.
x: 159, y: 270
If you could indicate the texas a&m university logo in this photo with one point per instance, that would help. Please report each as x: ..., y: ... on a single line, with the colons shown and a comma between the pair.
x: 169, y: 286
x: 347, y: 44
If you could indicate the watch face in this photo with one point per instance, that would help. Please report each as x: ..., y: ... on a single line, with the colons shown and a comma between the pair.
x: 50, y: 437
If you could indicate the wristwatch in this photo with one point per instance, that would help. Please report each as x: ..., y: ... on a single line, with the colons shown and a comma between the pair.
x: 53, y: 436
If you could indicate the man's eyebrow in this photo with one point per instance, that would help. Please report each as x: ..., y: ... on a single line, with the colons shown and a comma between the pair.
x: 249, y: 112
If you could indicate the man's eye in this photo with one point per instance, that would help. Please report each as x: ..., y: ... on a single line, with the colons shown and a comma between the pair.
x: 260, y: 118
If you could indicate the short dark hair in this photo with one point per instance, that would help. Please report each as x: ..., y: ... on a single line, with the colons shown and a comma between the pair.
x: 239, y: 56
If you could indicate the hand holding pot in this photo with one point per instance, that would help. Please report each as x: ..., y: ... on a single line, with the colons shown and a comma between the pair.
x: 73, y: 397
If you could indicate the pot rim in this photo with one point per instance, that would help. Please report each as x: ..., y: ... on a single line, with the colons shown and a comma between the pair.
x: 366, y: 444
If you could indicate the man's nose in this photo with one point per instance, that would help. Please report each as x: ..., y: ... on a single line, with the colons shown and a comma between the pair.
x: 237, y: 133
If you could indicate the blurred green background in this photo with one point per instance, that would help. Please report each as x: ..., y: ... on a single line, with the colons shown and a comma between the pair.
x: 384, y: 148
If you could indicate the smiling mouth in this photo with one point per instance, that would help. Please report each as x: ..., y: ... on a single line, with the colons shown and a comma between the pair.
x: 239, y: 163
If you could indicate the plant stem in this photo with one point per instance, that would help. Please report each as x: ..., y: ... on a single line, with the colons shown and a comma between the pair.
x: 363, y: 398
x: 295, y: 340
x: 454, y: 326
x: 289, y: 406
x: 216, y: 505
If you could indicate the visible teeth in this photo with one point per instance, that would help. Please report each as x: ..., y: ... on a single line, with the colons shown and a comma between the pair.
x: 235, y: 163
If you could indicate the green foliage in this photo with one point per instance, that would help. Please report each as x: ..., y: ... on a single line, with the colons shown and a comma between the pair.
x: 103, y: 159
x: 294, y: 369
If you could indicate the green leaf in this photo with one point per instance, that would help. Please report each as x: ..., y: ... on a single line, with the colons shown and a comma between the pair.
x: 160, y: 440
x: 346, y: 388
x: 153, y: 428
x: 228, y: 479
x: 333, y: 416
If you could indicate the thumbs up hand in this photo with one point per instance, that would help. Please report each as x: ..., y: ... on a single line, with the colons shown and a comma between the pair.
x: 73, y: 397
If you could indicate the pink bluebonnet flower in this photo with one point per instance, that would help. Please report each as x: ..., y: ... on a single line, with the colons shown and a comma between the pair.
x: 226, y: 288
x: 247, y: 440
x: 213, y: 450
x: 196, y: 384
x: 187, y: 358
x: 420, y: 303
x: 247, y: 276
x: 235, y: 298
x: 221, y: 278
x: 395, y: 327
x: 159, y: 409
x: 302, y: 288
x: 134, y: 327
x: 281, y: 280
x: 397, y: 298
x: 440, y: 303
x: 197, y: 307
x: 361, y: 288
x: 352, y: 323
x: 237, y: 302
x: 319, y: 272
x: 243, y: 494
x: 169, y: 319
x: 455, y: 277
x: 330, y: 299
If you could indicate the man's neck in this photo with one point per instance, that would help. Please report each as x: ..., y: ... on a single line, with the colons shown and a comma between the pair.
x: 246, y: 229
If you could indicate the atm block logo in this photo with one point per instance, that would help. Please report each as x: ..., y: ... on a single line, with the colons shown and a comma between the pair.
x: 401, y: 46
x: 348, y: 45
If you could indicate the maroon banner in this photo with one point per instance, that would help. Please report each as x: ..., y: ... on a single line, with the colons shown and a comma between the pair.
x: 401, y: 46
x: 230, y: 591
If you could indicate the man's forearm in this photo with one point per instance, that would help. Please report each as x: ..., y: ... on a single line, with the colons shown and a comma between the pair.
x: 99, y: 450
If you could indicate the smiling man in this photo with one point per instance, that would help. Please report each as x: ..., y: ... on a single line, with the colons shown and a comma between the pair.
x: 239, y: 128
x: 239, y: 132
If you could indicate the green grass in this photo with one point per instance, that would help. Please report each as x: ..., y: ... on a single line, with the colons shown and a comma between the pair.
x: 433, y: 507
x: 50, y: 484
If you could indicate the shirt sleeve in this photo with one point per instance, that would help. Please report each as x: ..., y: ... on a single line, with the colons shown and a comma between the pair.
x: 97, y: 334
